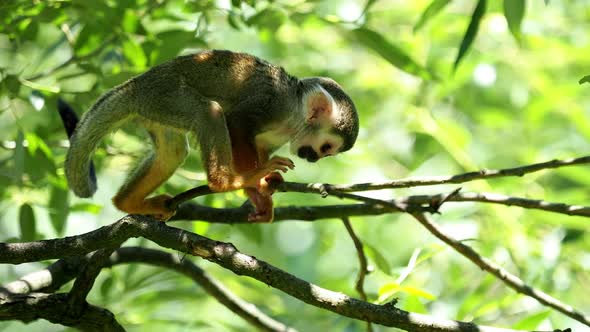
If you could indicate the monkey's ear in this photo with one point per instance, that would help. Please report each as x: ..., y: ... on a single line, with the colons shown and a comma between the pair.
x: 319, y: 107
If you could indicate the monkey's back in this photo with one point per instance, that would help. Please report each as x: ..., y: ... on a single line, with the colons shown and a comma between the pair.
x: 230, y: 77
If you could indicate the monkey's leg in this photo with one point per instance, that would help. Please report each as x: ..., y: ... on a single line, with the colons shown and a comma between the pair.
x: 170, y: 149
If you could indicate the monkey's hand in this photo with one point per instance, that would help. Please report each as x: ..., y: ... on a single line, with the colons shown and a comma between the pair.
x: 157, y: 207
x: 267, y: 184
x: 256, y: 178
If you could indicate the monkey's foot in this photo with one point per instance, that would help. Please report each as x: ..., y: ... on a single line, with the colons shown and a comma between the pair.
x: 261, y: 217
x: 264, y: 212
x: 158, y: 208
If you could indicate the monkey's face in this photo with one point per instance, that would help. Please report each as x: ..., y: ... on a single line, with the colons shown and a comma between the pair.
x: 316, y: 145
x: 331, y: 121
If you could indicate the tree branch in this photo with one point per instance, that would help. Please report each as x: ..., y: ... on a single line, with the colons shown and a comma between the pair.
x: 54, y: 308
x: 246, y: 310
x: 86, y: 278
x: 192, y: 211
x: 459, y: 178
x: 363, y: 270
x: 508, y: 278
x: 570, y: 210
x: 227, y: 256
x: 362, y: 259
x: 496, y: 270
x: 62, y: 271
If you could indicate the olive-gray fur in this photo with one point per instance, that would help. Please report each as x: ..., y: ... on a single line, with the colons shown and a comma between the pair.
x: 185, y: 94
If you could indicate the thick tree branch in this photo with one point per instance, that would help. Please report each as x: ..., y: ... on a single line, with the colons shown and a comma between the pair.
x: 59, y: 273
x: 226, y: 255
x: 54, y: 308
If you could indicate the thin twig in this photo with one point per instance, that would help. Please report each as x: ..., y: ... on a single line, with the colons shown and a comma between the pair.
x: 363, y: 268
x: 459, y: 178
x: 509, y: 279
x: 362, y: 259
x: 562, y: 208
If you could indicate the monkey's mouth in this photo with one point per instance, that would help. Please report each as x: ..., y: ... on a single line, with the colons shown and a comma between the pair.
x: 308, y: 153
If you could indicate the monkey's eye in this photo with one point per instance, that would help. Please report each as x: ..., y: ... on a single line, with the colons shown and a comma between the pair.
x: 325, y: 148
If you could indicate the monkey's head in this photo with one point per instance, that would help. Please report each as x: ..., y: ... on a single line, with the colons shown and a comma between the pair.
x: 331, y: 122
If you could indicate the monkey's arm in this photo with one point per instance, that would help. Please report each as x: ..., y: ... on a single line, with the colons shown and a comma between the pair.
x: 232, y: 158
x: 247, y: 158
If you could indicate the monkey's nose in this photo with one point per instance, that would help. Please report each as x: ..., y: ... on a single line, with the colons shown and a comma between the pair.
x: 302, y: 153
x: 308, y: 153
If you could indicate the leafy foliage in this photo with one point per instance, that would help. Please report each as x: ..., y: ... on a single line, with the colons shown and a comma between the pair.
x: 509, y: 103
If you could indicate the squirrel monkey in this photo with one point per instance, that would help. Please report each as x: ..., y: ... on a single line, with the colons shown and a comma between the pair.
x: 240, y: 109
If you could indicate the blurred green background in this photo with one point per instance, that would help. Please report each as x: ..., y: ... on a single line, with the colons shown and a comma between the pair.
x: 512, y: 99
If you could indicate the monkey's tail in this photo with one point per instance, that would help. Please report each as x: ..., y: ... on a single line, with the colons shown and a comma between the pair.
x: 106, y: 115
x: 70, y: 121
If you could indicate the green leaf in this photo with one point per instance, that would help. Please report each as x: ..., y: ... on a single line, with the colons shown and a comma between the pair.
x: 130, y: 21
x: 532, y: 322
x: 514, y: 13
x: 585, y: 79
x: 37, y: 143
x: 58, y: 207
x: 233, y: 20
x: 134, y: 54
x: 390, y: 52
x: 471, y: 32
x: 89, y: 39
x: 106, y: 286
x: 171, y: 42
x: 270, y: 18
x: 26, y: 219
x: 432, y: 10
x: 12, y: 84
x: 387, y: 291
x: 418, y: 292
x: 378, y: 258
x: 86, y: 207
x: 573, y: 235
x: 19, y: 157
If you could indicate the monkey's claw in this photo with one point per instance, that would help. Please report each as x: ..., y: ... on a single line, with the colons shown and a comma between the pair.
x: 277, y: 163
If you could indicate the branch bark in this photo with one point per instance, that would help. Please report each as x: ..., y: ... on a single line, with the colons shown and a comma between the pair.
x: 54, y: 308
x: 496, y: 270
x: 459, y: 178
x: 227, y: 256
x: 59, y: 273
